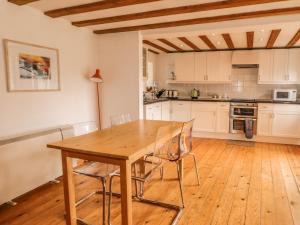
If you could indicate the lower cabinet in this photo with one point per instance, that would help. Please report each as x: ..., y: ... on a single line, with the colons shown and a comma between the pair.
x: 211, y: 117
x: 181, y: 111
x: 166, y: 111
x: 153, y: 111
x: 279, y: 120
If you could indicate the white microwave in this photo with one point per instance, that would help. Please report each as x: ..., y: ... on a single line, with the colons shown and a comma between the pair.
x: 285, y: 94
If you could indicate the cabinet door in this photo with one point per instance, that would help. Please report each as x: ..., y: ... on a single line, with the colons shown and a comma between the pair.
x: 223, y: 118
x: 280, y: 65
x: 225, y: 66
x: 286, y: 124
x: 157, y: 111
x: 200, y: 66
x: 205, y: 116
x: 294, y: 65
x: 265, y: 58
x: 184, y: 66
x: 264, y: 123
x: 165, y: 110
x: 149, y: 112
x: 213, y: 67
x: 181, y: 111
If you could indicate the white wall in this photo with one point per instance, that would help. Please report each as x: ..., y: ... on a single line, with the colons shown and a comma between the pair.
x: 20, y: 112
x: 121, y: 66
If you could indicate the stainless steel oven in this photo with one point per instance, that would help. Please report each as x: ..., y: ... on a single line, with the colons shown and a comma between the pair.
x: 239, y: 112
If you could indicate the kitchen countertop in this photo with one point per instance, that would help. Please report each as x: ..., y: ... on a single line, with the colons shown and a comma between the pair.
x: 218, y: 100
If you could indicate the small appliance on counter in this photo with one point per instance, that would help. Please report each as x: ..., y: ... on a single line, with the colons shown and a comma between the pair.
x: 195, y: 93
x: 172, y: 94
x: 285, y: 95
x: 160, y: 93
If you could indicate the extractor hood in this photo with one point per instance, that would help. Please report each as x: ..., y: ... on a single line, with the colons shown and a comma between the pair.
x: 245, y: 59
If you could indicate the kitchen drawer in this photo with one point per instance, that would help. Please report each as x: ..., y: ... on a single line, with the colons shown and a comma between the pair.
x: 265, y: 106
x: 287, y: 107
x: 204, y: 106
x: 223, y: 105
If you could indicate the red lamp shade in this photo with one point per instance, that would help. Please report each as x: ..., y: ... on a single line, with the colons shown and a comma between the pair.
x: 97, y: 77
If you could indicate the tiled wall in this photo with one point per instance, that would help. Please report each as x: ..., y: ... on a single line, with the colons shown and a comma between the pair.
x: 244, y: 85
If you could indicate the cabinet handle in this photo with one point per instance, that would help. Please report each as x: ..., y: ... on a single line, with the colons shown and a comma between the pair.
x: 258, y: 77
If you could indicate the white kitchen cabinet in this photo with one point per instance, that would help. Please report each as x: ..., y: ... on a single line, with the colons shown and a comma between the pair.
x: 280, y: 65
x: 153, y: 111
x: 286, y: 121
x: 225, y: 68
x: 205, y: 116
x: 200, y: 66
x: 265, y: 119
x: 184, y: 66
x: 265, y: 72
x: 181, y: 111
x: 294, y: 65
x: 166, y: 111
x: 223, y: 117
x: 213, y: 66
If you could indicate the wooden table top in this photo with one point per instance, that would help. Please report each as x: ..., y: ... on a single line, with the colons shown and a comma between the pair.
x: 128, y: 141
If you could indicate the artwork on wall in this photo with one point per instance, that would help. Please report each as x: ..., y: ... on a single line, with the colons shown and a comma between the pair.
x: 31, y: 67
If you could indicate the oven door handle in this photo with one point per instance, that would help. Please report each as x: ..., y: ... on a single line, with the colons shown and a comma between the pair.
x: 237, y: 118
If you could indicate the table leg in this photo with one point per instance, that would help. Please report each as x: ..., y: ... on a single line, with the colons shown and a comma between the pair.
x: 69, y: 189
x: 181, y: 168
x: 126, y: 193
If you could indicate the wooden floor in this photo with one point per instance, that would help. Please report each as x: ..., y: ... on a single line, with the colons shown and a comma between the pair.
x: 240, y: 184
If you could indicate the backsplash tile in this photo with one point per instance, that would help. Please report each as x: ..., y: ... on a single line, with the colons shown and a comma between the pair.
x: 244, y: 85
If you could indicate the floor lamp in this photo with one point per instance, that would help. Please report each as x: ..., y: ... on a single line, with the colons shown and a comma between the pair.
x: 98, y: 79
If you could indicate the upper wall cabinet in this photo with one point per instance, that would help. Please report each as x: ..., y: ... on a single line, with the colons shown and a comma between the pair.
x: 294, y: 65
x: 213, y: 67
x: 278, y: 66
x: 184, y: 66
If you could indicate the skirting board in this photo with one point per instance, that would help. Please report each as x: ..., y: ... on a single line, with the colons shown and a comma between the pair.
x: 240, y: 137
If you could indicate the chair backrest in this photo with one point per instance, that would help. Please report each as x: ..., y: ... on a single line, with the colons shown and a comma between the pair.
x: 186, y: 138
x: 79, y: 129
x: 120, y: 119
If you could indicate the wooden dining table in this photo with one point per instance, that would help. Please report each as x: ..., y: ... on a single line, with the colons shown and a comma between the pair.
x: 120, y: 145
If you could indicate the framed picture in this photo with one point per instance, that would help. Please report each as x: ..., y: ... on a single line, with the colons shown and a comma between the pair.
x: 31, y: 67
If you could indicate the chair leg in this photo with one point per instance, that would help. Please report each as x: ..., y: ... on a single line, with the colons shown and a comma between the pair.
x: 135, y: 182
x: 110, y: 198
x: 180, y: 183
x: 103, y: 180
x: 196, y: 168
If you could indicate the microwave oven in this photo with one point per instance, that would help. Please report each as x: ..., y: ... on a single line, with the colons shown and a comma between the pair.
x: 285, y: 94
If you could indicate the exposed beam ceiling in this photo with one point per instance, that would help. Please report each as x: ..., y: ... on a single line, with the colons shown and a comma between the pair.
x: 22, y: 2
x: 155, y: 52
x: 273, y: 36
x: 250, y: 39
x: 213, y: 19
x: 294, y: 40
x: 206, y: 40
x: 172, y: 11
x: 228, y: 41
x: 189, y: 43
x: 95, y: 6
x: 165, y: 41
x: 156, y: 46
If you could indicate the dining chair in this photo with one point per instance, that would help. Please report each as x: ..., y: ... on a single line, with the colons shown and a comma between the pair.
x: 120, y: 119
x: 100, y: 171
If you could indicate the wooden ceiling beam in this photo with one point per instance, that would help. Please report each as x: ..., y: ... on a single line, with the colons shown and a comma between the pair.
x: 95, y: 6
x: 250, y: 39
x: 165, y: 41
x: 156, y: 46
x: 205, y: 20
x: 22, y: 2
x: 189, y: 43
x: 294, y: 40
x: 206, y: 40
x: 228, y: 40
x: 155, y: 52
x: 172, y: 11
x: 273, y: 37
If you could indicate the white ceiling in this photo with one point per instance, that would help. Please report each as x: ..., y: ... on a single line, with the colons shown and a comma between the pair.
x: 289, y: 24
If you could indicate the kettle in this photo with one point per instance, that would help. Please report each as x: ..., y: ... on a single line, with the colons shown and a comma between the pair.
x: 195, y: 93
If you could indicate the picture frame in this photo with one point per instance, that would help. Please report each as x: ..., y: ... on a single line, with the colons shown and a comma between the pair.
x: 30, y: 67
